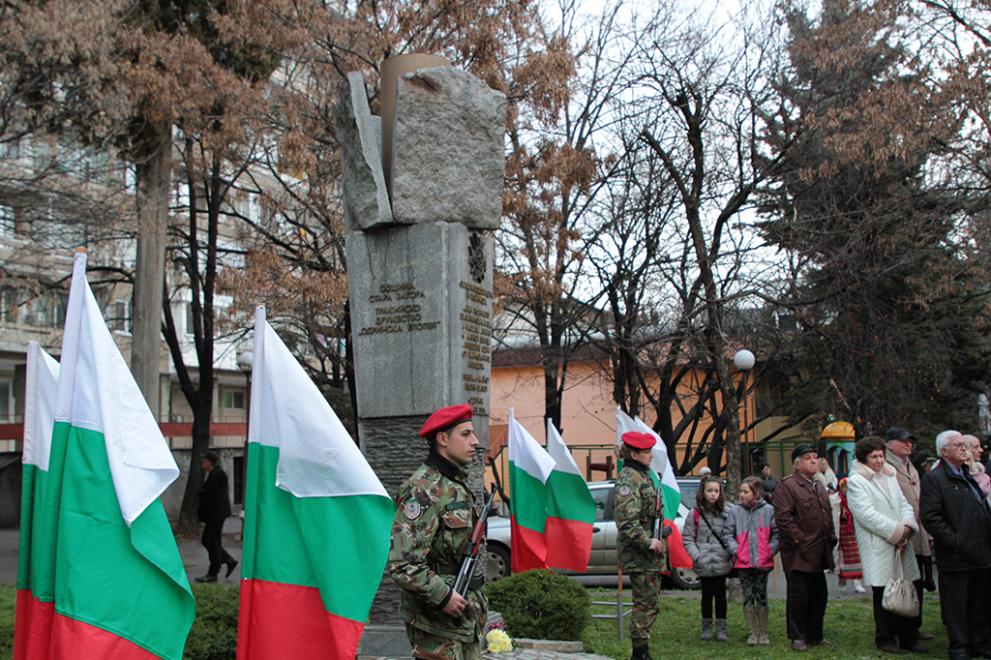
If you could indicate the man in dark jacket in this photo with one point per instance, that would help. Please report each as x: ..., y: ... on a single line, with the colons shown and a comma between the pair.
x: 956, y: 515
x: 214, y: 509
x: 805, y: 522
x: 768, y: 480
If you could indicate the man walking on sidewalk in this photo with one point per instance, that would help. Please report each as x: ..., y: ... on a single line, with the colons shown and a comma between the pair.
x: 214, y: 509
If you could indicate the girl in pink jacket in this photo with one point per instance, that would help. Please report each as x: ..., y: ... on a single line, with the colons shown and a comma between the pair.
x: 751, y: 535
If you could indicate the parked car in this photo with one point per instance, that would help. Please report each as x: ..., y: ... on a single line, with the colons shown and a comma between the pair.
x: 604, y: 535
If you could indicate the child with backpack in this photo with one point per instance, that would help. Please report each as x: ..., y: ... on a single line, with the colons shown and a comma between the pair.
x: 711, y: 557
x: 751, y: 534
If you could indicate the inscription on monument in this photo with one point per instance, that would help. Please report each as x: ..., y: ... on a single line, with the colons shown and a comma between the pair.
x: 476, y: 333
x: 396, y: 311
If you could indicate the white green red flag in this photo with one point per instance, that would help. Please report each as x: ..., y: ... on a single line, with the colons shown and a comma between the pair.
x: 103, y: 558
x: 35, y: 582
x: 551, y: 508
x: 570, y: 509
x: 665, y: 480
x: 317, y: 520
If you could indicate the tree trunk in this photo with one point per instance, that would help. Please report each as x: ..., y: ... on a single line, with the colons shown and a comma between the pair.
x: 154, y: 173
x: 188, y: 518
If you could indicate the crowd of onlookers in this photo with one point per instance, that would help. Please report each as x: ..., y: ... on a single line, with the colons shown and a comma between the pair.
x: 879, y: 529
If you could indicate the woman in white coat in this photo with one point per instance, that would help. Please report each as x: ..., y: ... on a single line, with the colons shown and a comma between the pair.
x: 884, y: 522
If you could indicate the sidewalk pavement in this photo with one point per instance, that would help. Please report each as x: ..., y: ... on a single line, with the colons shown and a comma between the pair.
x: 193, y: 554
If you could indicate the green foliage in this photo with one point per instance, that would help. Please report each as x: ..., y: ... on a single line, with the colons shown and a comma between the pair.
x: 214, y: 632
x: 541, y: 605
x: 7, y: 596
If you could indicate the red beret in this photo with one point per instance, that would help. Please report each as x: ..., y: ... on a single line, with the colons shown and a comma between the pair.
x: 444, y: 419
x: 638, y: 440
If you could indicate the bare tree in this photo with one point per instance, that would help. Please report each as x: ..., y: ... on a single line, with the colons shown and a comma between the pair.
x: 704, y: 92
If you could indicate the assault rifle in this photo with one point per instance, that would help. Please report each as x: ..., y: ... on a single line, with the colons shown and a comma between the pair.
x: 474, y: 545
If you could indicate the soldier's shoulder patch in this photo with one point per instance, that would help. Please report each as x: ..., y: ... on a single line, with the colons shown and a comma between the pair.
x: 624, y: 490
x: 412, y: 509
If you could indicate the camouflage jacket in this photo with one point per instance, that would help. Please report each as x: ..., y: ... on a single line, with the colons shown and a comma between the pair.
x: 435, y: 516
x: 636, y: 513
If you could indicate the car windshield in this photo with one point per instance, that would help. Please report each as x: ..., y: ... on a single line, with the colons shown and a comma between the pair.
x: 688, y: 491
x: 601, y: 497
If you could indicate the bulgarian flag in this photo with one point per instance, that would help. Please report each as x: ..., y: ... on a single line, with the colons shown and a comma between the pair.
x: 551, y: 508
x: 317, y: 521
x: 570, y: 509
x: 668, y: 484
x: 35, y: 581
x: 103, y: 562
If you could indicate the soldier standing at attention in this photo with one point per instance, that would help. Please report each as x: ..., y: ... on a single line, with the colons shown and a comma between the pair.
x: 436, y: 514
x: 641, y: 555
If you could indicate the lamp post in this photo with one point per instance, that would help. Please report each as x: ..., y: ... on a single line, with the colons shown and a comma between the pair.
x: 744, y: 361
x: 245, y: 361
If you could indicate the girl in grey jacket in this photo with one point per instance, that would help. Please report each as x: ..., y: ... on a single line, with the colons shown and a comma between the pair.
x: 710, y: 555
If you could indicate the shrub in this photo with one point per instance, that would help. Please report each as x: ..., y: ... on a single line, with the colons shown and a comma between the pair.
x: 214, y: 632
x: 541, y: 605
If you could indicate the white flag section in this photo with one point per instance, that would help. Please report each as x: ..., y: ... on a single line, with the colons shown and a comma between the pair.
x: 97, y: 392
x: 526, y: 454
x: 317, y: 456
x: 40, y: 391
x: 563, y: 460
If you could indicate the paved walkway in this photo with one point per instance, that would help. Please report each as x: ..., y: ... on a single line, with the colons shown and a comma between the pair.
x: 194, y: 556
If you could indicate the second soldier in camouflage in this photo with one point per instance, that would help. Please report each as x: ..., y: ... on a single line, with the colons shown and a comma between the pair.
x: 641, y: 555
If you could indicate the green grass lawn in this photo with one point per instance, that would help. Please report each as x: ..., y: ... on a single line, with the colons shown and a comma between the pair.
x: 849, y: 626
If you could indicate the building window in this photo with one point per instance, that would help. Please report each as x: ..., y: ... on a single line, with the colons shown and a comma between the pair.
x: 121, y: 319
x: 6, y: 400
x: 233, y: 399
x: 189, y: 319
x: 7, y: 221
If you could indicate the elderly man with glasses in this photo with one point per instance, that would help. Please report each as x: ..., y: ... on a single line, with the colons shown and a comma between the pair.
x: 955, y: 513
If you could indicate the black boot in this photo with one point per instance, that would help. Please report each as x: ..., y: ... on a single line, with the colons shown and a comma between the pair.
x: 641, y: 651
x: 927, y: 574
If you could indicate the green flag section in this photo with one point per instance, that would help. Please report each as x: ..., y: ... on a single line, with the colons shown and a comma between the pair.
x: 667, y: 483
x: 103, y: 563
x: 34, y: 609
x: 570, y: 509
x: 317, y: 520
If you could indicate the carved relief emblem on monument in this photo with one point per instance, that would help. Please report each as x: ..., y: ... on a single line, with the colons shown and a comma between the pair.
x: 476, y: 257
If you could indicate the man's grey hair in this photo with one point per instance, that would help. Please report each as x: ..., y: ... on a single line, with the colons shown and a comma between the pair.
x: 943, y: 439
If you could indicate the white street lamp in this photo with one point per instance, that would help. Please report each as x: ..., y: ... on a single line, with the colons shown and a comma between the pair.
x: 744, y: 360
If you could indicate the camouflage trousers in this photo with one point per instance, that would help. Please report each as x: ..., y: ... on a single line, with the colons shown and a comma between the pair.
x: 646, y: 604
x: 432, y: 647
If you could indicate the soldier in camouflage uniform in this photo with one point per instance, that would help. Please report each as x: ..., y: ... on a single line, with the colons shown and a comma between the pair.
x: 436, y: 514
x: 641, y: 555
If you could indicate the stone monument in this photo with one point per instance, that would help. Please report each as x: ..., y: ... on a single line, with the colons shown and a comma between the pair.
x: 420, y: 251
